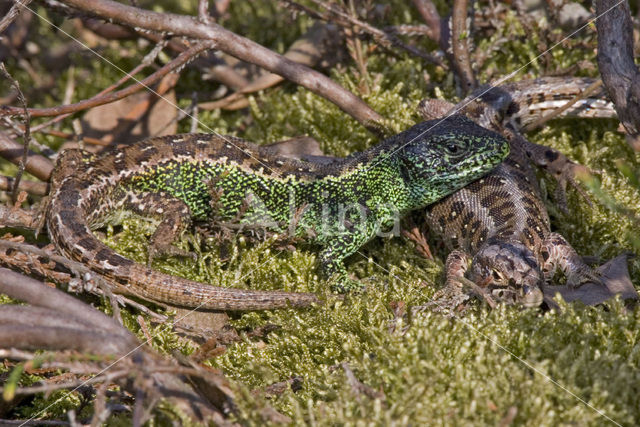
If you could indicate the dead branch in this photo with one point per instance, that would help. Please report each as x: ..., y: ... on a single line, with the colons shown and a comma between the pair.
x: 311, y: 48
x: 239, y: 47
x: 26, y: 134
x: 460, y: 36
x: 384, y: 38
x: 35, y: 293
x: 178, y: 62
x: 147, y: 60
x: 593, y: 88
x: 431, y: 17
x: 619, y: 73
x: 59, y: 338
x: 15, y: 217
x: 37, y: 165
x: 80, y: 327
x: 13, y: 13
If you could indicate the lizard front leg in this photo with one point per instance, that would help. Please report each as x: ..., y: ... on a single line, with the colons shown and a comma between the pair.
x: 174, y: 219
x: 556, y: 254
x: 452, y: 295
x: 332, y: 262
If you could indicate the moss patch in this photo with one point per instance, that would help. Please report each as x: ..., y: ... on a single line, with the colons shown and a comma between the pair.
x: 553, y: 368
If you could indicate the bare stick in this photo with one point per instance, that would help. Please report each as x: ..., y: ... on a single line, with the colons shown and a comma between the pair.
x: 26, y: 135
x: 308, y: 50
x: 616, y: 62
x: 37, y: 165
x: 13, y: 13
x: 382, y: 37
x: 239, y: 47
x: 36, y: 188
x: 593, y: 87
x: 431, y: 17
x: 460, y: 34
x: 37, y: 293
x: 179, y: 61
x: 145, y: 62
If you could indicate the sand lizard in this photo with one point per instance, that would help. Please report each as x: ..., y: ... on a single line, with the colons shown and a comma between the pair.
x: 497, y: 227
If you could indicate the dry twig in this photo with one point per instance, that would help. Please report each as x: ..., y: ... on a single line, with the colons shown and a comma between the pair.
x: 619, y: 73
x: 460, y: 36
x: 239, y: 47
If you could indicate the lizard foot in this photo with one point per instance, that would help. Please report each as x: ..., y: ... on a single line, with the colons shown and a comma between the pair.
x: 558, y: 254
x: 344, y: 284
x: 449, y: 300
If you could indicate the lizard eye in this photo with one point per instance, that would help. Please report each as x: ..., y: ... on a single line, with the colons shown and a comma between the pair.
x: 452, y: 148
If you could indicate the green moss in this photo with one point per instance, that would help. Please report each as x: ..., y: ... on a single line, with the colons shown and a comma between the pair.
x: 431, y: 370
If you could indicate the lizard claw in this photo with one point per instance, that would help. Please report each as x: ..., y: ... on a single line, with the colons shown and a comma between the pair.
x: 345, y: 284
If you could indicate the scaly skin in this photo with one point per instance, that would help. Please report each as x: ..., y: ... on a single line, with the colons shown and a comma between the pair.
x: 499, y: 223
x: 179, y: 178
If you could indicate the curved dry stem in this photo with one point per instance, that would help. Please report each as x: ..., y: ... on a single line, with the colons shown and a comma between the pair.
x: 239, y: 47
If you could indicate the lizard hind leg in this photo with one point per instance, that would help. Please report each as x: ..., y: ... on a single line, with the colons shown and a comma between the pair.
x: 174, y: 216
x: 558, y: 254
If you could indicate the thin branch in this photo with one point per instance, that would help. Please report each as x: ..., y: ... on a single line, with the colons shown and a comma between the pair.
x: 7, y: 183
x: 619, y: 73
x: 307, y: 50
x: 178, y: 62
x: 26, y: 135
x: 37, y: 165
x: 112, y: 376
x: 146, y: 61
x: 382, y: 37
x: 60, y: 338
x: 13, y: 13
x: 460, y: 36
x: 430, y: 15
x: 239, y: 47
x: 593, y: 87
x: 37, y: 293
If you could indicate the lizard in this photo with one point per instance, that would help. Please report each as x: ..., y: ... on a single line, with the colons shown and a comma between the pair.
x: 181, y: 178
x: 497, y: 228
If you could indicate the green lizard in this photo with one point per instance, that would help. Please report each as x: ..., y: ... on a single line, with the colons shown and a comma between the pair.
x: 189, y: 177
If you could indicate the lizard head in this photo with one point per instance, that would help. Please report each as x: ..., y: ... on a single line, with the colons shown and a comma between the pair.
x: 509, y: 272
x: 439, y: 157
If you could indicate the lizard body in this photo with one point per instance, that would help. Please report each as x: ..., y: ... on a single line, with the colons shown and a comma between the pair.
x: 179, y: 178
x: 499, y: 223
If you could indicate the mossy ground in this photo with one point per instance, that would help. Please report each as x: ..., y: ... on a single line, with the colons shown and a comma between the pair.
x: 578, y: 366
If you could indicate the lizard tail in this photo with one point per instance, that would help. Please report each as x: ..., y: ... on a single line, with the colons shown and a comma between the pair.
x: 69, y: 231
